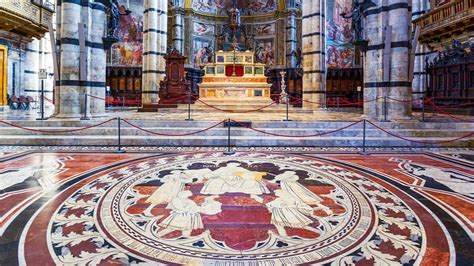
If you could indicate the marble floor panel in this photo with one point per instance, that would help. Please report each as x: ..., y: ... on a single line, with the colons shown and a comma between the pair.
x: 257, y: 207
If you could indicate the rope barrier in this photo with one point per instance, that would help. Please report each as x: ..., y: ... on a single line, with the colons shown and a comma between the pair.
x: 448, y: 114
x: 456, y: 105
x: 420, y: 141
x: 305, y: 136
x: 303, y: 100
x: 404, y: 101
x: 55, y: 131
x: 171, y: 135
x: 137, y: 102
x: 232, y: 111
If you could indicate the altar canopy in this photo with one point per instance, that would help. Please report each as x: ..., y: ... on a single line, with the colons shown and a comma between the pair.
x: 235, y: 75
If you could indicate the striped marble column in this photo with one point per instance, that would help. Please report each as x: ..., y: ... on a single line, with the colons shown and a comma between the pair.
x: 58, y: 27
x: 178, y: 28
x: 313, y: 52
x: 97, y: 60
x: 291, y: 38
x: 155, y: 27
x: 70, y: 94
x: 71, y: 91
x: 31, y: 68
x: 46, y: 62
x: 420, y: 7
x: 395, y: 84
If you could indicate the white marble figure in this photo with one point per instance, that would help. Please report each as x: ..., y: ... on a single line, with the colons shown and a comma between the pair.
x: 235, y: 179
x: 44, y: 174
x: 289, y: 183
x: 185, y: 214
x: 173, y: 184
x: 9, y: 179
x: 457, y: 182
x: 288, y: 211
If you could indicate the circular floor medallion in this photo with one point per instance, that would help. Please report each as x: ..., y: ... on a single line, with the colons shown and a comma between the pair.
x: 209, y: 208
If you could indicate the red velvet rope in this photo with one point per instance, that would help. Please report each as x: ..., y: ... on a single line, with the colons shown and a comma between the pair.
x: 55, y: 131
x: 171, y: 135
x: 136, y: 102
x: 237, y: 112
x: 448, y: 114
x: 455, y: 106
x: 419, y: 141
x: 404, y: 101
x: 305, y: 136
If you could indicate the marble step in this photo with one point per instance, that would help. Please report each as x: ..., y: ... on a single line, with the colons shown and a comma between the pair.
x: 316, y: 125
x: 247, y: 141
x: 355, y: 131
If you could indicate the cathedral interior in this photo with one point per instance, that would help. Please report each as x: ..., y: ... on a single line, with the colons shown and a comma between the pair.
x: 237, y: 132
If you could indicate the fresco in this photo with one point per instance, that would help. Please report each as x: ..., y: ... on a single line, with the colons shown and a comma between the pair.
x: 203, y: 29
x: 339, y: 49
x: 265, y: 51
x: 128, y: 51
x: 248, y: 7
x: 265, y: 29
x: 203, y: 51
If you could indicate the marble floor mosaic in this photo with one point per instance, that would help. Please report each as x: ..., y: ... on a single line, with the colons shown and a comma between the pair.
x: 257, y: 207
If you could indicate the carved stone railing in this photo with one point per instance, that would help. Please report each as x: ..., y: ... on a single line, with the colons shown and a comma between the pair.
x: 446, y: 15
x: 38, y: 13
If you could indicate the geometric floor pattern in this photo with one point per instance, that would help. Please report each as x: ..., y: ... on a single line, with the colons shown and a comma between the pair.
x: 251, y: 208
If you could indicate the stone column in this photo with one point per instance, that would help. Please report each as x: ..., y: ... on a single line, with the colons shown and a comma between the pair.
x: 313, y: 51
x: 155, y: 27
x: 291, y: 38
x: 72, y: 90
x: 46, y: 62
x: 57, y: 87
x: 31, y: 68
x: 397, y: 15
x: 420, y: 8
x: 178, y: 28
x: 97, y: 60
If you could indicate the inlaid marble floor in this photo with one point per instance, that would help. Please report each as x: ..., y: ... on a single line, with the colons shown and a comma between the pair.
x: 251, y: 208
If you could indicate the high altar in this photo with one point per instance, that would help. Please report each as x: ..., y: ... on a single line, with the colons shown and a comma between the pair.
x: 238, y: 77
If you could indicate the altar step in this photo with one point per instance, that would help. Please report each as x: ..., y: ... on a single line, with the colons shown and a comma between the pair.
x: 106, y: 135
